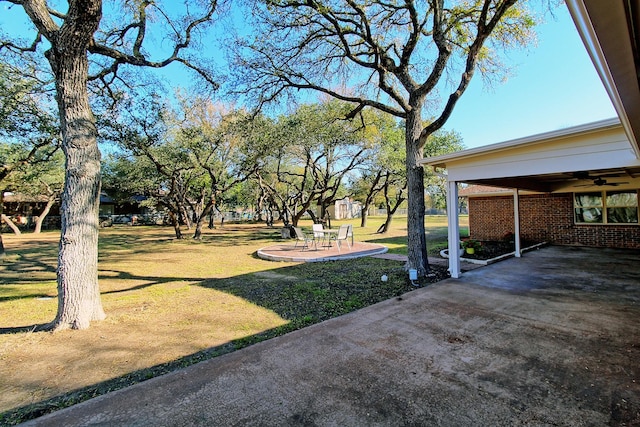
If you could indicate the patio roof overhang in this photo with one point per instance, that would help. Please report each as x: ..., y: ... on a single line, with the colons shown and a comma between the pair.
x: 573, y: 159
x: 589, y: 157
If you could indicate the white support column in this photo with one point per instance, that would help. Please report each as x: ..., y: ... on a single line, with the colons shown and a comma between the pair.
x: 516, y: 221
x: 454, y: 228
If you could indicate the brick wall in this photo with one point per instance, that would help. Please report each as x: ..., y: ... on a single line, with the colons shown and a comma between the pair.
x: 545, y: 217
x: 490, y: 218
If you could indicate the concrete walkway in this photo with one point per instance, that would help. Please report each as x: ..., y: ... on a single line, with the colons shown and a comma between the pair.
x: 550, y: 339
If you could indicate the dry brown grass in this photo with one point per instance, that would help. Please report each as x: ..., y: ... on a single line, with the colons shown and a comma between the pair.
x: 157, y: 312
x: 166, y: 300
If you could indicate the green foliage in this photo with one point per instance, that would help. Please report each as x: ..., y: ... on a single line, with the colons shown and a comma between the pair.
x: 471, y: 244
x: 315, y: 151
x: 189, y: 159
x: 27, y: 114
x: 29, y: 136
x: 441, y: 142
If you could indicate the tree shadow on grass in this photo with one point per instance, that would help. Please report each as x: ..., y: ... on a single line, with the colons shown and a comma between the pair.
x: 123, y: 275
x: 19, y: 329
x: 302, y: 295
x: 229, y: 235
x: 149, y: 280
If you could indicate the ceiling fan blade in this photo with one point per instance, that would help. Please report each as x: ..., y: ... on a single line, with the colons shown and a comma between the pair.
x: 615, y: 184
x: 601, y: 184
x: 587, y: 175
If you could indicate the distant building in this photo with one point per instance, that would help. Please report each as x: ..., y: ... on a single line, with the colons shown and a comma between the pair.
x: 347, y: 208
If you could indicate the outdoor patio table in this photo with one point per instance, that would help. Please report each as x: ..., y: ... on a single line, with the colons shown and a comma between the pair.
x: 329, y: 233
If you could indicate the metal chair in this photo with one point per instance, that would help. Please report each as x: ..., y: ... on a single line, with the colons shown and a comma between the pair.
x: 301, y: 237
x: 350, y: 234
x: 343, y: 234
x: 318, y: 231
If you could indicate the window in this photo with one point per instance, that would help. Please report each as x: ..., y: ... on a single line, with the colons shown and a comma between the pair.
x: 606, y: 207
x: 622, y: 207
x: 589, y: 208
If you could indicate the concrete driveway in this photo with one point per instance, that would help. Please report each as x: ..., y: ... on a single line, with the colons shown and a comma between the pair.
x: 551, y: 339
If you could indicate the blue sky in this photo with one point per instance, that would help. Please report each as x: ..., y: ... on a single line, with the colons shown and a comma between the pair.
x: 554, y: 86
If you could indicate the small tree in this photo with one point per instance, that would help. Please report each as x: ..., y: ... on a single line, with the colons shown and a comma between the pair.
x: 217, y: 142
x: 38, y: 179
x: 384, y: 172
x: 441, y: 142
x: 317, y: 152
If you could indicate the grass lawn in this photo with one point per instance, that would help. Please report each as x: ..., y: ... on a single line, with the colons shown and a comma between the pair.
x: 170, y: 304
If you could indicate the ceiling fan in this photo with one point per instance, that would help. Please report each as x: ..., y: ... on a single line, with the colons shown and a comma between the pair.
x: 598, y: 180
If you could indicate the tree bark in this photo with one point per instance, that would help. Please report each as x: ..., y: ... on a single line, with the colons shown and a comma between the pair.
x: 78, y: 292
x: 207, y: 211
x: 416, y: 240
x: 391, y: 210
x: 363, y: 216
x: 11, y: 225
x: 176, y: 224
x: 369, y: 199
x: 3, y: 253
x: 40, y: 218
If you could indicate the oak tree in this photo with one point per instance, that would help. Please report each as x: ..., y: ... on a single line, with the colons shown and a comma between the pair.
x: 405, y: 58
x: 313, y: 154
x: 94, y: 41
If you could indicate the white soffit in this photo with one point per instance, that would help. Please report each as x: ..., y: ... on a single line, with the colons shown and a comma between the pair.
x: 599, y: 145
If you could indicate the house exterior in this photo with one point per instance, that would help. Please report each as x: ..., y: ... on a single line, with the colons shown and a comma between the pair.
x: 22, y: 209
x: 554, y: 217
x: 572, y: 186
x: 23, y: 205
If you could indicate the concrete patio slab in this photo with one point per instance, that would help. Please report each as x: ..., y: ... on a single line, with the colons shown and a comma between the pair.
x: 551, y: 338
x: 290, y: 253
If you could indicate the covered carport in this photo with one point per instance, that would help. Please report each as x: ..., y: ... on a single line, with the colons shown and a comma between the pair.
x: 605, y: 153
x: 591, y: 156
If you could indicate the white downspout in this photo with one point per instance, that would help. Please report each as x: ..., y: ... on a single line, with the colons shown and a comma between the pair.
x: 516, y: 221
x: 454, y: 228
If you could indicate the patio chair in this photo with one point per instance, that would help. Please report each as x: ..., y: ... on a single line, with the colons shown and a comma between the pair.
x: 318, y: 231
x: 343, y: 234
x: 301, y: 237
x: 350, y: 234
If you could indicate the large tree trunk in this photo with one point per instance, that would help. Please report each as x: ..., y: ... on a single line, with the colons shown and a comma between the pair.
x: 299, y: 213
x: 416, y: 240
x: 176, y: 224
x: 78, y: 292
x: 363, y: 215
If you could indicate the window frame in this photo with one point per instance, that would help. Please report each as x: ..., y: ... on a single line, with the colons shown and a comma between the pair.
x: 604, y: 194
